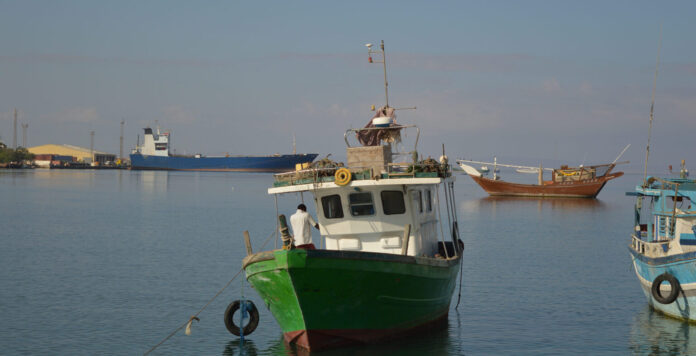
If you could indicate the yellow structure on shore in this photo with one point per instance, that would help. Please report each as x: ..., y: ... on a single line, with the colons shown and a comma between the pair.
x: 81, y: 154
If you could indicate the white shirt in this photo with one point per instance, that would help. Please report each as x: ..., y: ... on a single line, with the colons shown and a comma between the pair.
x: 302, y: 224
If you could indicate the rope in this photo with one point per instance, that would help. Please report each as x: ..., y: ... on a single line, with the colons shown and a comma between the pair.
x: 447, y: 202
x: 461, y: 260
x: 195, y: 316
x: 439, y: 216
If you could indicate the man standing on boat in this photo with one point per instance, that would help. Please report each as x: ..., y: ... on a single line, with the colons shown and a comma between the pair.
x: 302, y: 224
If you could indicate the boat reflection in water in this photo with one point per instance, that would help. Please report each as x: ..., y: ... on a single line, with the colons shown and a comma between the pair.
x: 655, y: 334
x: 153, y: 182
x: 436, y: 341
x: 505, y: 202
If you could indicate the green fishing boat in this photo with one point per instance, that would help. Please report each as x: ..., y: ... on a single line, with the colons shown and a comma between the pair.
x: 387, y: 262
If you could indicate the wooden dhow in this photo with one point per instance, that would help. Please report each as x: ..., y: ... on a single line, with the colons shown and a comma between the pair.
x: 566, y: 182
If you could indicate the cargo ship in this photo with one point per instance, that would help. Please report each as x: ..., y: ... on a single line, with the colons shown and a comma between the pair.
x: 154, y: 154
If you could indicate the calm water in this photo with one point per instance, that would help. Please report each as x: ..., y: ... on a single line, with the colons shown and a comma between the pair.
x: 111, y: 262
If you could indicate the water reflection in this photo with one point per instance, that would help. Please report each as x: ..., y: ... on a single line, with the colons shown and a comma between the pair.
x: 237, y: 347
x: 566, y: 204
x: 154, y: 182
x: 436, y: 341
x: 655, y: 334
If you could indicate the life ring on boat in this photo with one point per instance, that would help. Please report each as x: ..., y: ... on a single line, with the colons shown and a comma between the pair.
x: 342, y: 176
x: 674, y: 285
x: 253, y: 317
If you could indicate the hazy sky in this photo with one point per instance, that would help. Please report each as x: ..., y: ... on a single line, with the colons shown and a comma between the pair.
x: 527, y: 81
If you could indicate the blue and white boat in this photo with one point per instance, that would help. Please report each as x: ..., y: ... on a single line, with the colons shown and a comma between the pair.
x: 154, y: 154
x: 663, y: 244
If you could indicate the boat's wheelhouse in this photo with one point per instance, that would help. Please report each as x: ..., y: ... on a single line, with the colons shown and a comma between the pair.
x: 383, y: 207
x: 665, y: 217
x: 373, y: 218
x: 374, y: 215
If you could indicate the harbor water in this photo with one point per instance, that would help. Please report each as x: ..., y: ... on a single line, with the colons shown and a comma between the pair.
x: 110, y: 262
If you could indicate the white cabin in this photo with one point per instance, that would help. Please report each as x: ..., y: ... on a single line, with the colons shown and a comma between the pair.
x: 371, y: 215
x: 154, y: 144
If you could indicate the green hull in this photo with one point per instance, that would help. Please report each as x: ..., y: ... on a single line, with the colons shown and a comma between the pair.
x: 325, y: 298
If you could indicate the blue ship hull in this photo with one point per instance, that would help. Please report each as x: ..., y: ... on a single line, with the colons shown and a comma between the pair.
x: 681, y: 266
x: 275, y: 163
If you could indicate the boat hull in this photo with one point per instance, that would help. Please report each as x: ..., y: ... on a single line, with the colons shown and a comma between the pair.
x: 275, y: 163
x: 580, y: 189
x: 683, y: 267
x: 325, y: 299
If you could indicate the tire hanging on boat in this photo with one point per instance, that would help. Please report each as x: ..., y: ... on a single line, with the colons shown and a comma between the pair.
x: 342, y: 176
x: 253, y: 317
x: 674, y: 285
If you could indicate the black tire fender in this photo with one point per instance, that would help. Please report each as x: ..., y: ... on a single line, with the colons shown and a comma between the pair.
x: 253, y: 317
x: 673, y: 283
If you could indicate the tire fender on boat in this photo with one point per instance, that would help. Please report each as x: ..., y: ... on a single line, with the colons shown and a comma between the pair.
x: 342, y: 176
x: 674, y: 285
x: 253, y: 317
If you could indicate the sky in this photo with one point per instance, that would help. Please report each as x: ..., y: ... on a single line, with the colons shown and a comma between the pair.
x: 526, y: 81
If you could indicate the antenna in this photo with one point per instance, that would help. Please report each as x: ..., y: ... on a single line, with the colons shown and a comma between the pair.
x: 14, y: 138
x: 24, y: 135
x: 91, y: 144
x: 652, y: 110
x: 120, y: 152
x: 370, y: 51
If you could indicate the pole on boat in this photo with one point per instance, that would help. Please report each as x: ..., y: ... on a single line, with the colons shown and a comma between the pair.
x: 495, y: 168
x: 247, y: 242
x: 405, y: 240
x: 284, y: 234
x: 384, y: 66
x: 652, y: 110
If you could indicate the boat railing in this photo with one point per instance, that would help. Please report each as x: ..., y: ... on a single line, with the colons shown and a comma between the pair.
x: 649, y: 249
x: 425, y: 168
x: 428, y: 168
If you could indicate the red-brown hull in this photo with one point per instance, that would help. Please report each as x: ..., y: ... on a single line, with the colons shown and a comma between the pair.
x: 580, y: 189
x: 316, y: 340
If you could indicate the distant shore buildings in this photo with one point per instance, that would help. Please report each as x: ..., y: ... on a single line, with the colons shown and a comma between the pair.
x: 45, y: 154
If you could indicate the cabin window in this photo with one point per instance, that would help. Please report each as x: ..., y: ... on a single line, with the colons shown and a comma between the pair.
x: 160, y: 146
x: 393, y: 202
x: 332, y: 206
x: 428, y: 201
x: 361, y: 204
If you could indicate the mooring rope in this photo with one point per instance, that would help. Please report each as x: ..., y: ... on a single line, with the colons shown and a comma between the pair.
x: 187, y: 324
